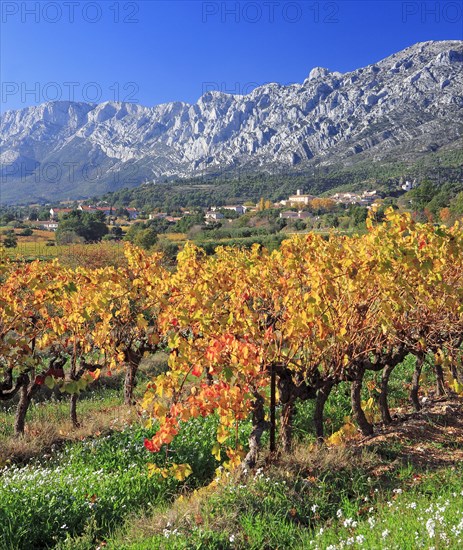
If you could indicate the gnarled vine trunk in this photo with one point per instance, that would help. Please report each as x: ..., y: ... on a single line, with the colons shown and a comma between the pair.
x: 27, y: 389
x: 383, y: 402
x: 291, y: 388
x: 73, y: 410
x: 286, y: 424
x: 8, y: 388
x: 133, y: 359
x: 416, y: 382
x: 356, y: 398
x: 287, y: 399
x: 259, y: 425
x: 455, y: 373
x: 21, y: 409
x: 322, y: 396
x: 440, y: 386
x: 129, y: 383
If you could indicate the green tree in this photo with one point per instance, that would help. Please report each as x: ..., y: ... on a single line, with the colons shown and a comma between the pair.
x: 6, y: 217
x: 10, y: 240
x: 146, y: 238
x: 358, y: 215
x: 141, y: 234
x: 187, y: 222
x: 423, y: 194
x: 116, y: 231
x: 43, y: 215
x: 331, y: 220
x: 90, y: 226
x: 229, y: 214
x: 160, y: 225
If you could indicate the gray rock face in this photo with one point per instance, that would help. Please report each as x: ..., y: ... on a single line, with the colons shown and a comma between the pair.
x: 408, y: 102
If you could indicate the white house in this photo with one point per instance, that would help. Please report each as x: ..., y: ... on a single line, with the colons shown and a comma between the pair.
x: 158, y: 216
x: 346, y: 198
x: 213, y: 216
x: 299, y: 198
x: 407, y: 186
x: 49, y: 226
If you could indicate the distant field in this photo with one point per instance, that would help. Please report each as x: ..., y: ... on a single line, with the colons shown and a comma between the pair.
x: 175, y: 236
x: 35, y: 246
x: 38, y: 245
x: 32, y: 245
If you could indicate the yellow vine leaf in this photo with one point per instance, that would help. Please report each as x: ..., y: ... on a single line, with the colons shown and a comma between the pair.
x: 222, y: 434
x: 456, y: 386
x: 148, y: 398
x: 344, y: 433
x: 181, y: 471
x: 153, y: 469
x: 216, y: 451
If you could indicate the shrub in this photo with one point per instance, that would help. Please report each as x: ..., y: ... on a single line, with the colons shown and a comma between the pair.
x: 10, y: 240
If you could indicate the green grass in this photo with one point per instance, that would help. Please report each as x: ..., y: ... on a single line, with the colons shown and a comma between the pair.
x: 41, y: 502
x: 342, y: 508
x: 83, y: 493
x: 96, y: 483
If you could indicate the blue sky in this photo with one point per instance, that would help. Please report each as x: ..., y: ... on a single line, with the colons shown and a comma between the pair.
x: 152, y: 52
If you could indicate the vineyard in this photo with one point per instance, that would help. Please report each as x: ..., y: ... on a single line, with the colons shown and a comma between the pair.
x: 251, y: 336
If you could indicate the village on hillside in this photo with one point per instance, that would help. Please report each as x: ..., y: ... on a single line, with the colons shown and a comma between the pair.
x: 36, y: 227
x: 298, y: 206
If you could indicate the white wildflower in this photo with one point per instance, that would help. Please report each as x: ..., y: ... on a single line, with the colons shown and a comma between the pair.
x: 430, y: 526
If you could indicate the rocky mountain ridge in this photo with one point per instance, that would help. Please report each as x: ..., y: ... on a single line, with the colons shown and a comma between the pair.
x: 405, y: 105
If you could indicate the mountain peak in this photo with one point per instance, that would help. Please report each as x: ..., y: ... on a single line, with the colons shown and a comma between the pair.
x: 318, y: 72
x: 409, y: 102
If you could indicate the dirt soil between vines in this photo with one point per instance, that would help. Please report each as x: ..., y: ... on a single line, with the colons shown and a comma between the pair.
x: 431, y: 438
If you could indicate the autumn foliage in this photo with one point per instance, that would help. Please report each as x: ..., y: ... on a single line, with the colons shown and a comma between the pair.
x: 312, y: 314
x: 245, y: 329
